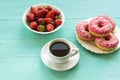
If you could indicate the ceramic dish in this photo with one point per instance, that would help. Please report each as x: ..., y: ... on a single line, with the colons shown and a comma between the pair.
x: 26, y: 23
x: 93, y: 48
x: 58, y: 66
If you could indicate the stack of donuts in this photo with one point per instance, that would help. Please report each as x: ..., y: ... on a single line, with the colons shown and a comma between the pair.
x: 100, y: 30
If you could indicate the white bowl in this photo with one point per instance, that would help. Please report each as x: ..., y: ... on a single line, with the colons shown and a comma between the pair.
x: 25, y: 22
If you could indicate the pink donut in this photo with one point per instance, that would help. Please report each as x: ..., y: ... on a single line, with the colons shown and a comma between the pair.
x: 83, y: 31
x: 109, y: 19
x: 100, y: 27
x: 109, y: 42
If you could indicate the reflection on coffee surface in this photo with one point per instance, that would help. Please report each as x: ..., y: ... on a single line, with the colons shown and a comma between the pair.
x: 59, y: 49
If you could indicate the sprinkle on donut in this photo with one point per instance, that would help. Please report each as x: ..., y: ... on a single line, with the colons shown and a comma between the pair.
x: 100, y: 27
x: 83, y: 31
x: 109, y: 42
x: 109, y: 19
x: 100, y: 30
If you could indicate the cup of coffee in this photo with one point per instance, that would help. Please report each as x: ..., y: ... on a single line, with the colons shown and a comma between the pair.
x: 60, y: 50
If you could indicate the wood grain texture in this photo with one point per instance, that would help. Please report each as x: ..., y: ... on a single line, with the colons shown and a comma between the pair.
x: 20, y: 48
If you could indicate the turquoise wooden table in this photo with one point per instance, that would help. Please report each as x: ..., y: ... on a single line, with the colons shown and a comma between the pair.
x: 20, y: 48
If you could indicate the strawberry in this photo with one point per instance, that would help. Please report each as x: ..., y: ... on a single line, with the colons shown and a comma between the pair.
x: 41, y: 13
x: 48, y: 20
x: 49, y: 8
x: 33, y: 10
x: 50, y: 14
x: 40, y: 8
x: 49, y: 27
x: 57, y: 12
x: 30, y: 17
x: 41, y: 21
x: 58, y: 22
x: 44, y: 18
x: 40, y: 28
x: 33, y: 25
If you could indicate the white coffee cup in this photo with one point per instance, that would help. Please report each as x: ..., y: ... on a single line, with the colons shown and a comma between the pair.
x: 61, y: 48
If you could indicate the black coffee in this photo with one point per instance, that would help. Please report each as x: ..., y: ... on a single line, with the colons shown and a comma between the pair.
x: 59, y: 49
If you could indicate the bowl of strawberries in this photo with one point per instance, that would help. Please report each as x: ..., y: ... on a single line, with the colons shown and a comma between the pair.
x: 43, y: 18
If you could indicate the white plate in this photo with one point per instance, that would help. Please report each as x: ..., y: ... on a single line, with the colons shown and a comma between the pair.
x: 56, y: 66
x: 92, y: 47
x: 25, y: 22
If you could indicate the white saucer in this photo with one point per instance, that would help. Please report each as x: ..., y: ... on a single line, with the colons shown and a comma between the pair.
x: 92, y: 47
x: 59, y: 66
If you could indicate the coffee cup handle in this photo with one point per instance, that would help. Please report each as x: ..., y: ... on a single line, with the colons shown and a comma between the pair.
x: 74, y: 51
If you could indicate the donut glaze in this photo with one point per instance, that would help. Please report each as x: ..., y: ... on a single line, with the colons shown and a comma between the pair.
x: 100, y: 27
x: 108, y: 43
x: 109, y: 19
x: 83, y: 31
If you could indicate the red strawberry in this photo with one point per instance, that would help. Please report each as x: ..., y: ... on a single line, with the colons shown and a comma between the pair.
x: 33, y: 10
x: 41, y: 21
x: 40, y: 8
x: 33, y: 25
x: 41, y: 13
x: 58, y: 22
x: 49, y: 27
x: 57, y: 12
x: 48, y: 20
x: 30, y: 17
x: 50, y: 14
x: 40, y: 28
x: 49, y: 8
